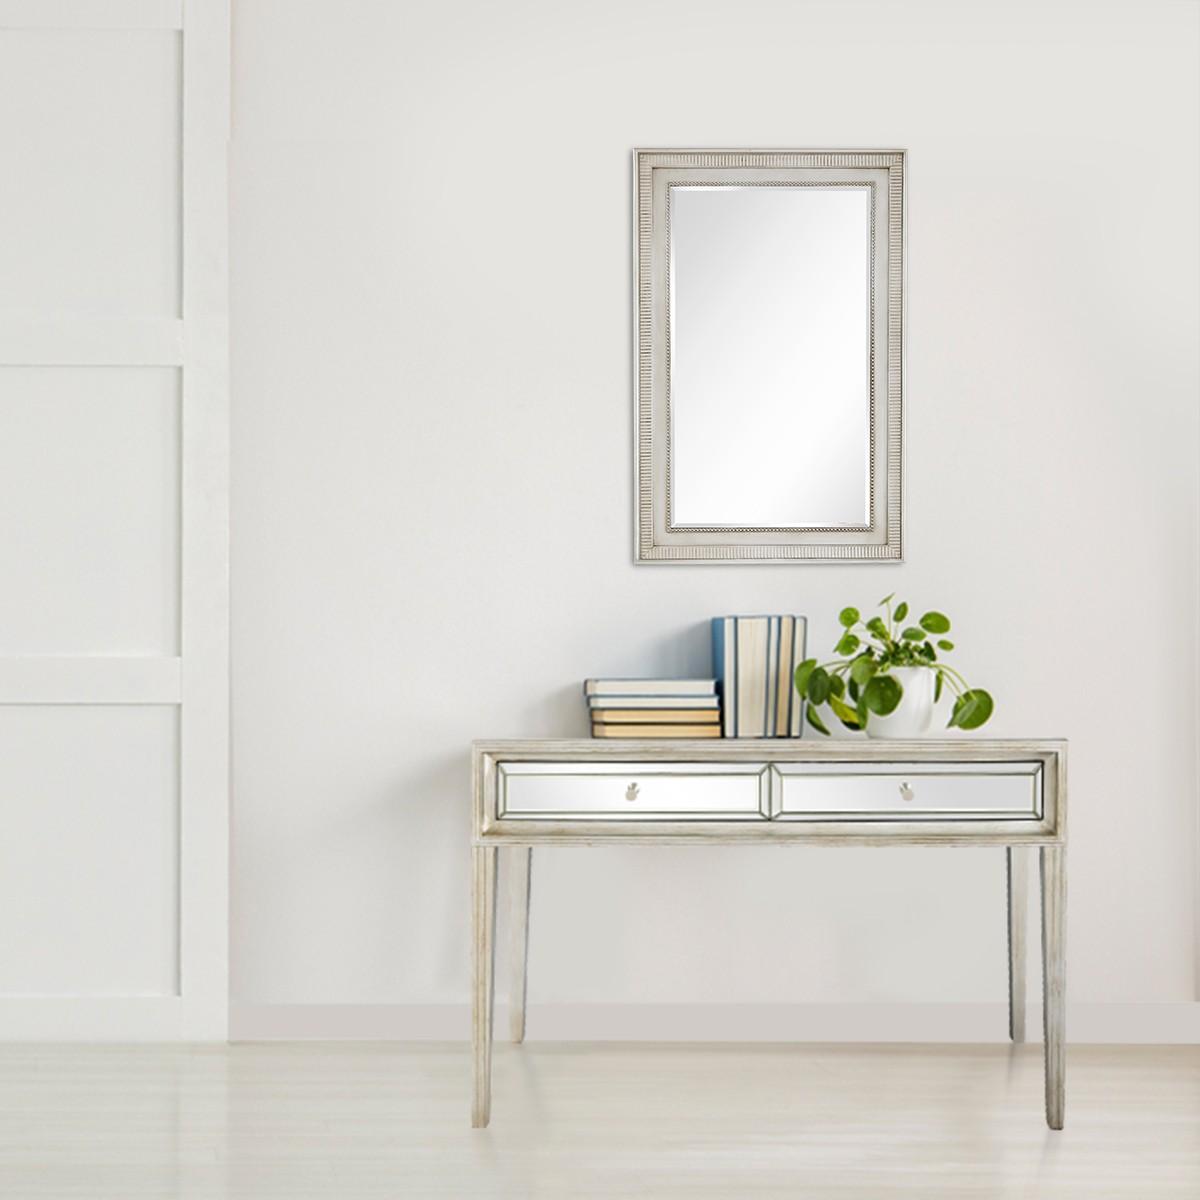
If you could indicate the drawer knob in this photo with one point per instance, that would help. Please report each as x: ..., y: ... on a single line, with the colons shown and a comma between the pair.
x: 631, y: 792
x: 906, y: 792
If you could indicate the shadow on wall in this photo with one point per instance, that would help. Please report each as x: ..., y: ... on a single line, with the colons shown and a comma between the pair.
x: 563, y: 712
x: 436, y: 799
x: 560, y: 713
x: 692, y: 657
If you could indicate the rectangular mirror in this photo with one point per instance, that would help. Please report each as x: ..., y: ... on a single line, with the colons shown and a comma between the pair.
x: 769, y: 299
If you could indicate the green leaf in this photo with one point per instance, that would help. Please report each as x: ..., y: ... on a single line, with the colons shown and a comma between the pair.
x: 861, y: 710
x: 837, y: 687
x: 814, y: 720
x: 927, y: 651
x: 845, y: 713
x: 937, y: 688
x: 901, y: 610
x: 818, y: 686
x: 886, y: 599
x: 971, y: 709
x: 935, y: 622
x: 803, y: 671
x: 913, y: 634
x: 945, y: 645
x: 882, y: 694
x: 848, y: 617
x: 862, y: 668
x: 852, y: 689
x: 848, y: 644
x: 878, y: 628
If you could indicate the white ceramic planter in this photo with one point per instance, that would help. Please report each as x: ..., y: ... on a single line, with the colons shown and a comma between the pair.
x: 914, y: 714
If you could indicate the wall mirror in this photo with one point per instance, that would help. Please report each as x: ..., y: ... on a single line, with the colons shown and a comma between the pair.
x: 769, y: 301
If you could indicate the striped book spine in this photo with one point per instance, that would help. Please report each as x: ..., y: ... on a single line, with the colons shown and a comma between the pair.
x: 754, y: 662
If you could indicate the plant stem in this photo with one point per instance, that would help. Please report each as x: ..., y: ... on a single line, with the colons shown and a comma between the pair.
x: 955, y: 678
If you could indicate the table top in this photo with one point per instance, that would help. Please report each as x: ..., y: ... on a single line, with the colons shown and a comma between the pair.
x: 961, y: 749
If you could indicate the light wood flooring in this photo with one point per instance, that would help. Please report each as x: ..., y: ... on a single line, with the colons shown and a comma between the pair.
x: 356, y: 1120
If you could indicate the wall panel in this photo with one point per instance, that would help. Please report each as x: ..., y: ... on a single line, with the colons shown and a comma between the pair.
x: 114, y: 420
x: 89, y: 510
x: 90, y: 197
x: 88, y: 873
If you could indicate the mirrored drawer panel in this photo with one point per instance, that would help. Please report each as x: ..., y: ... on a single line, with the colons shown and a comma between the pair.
x: 899, y: 791
x: 632, y: 791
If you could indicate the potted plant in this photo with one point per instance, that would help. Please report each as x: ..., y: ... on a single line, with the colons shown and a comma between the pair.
x: 889, y: 676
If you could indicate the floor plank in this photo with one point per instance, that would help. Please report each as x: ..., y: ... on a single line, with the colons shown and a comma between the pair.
x: 353, y: 1120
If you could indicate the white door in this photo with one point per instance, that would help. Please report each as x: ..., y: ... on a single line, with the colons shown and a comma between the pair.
x: 114, y: 429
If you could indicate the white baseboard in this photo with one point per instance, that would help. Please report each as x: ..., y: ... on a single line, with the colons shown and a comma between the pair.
x: 155, y: 1019
x: 1165, y: 1024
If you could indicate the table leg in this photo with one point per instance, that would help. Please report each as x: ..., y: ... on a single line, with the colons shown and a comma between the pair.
x: 1018, y: 891
x: 1054, y: 978
x: 519, y: 873
x: 483, y: 913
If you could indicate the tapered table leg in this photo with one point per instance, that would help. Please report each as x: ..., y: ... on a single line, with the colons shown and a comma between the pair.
x: 519, y: 872
x: 483, y: 920
x: 1054, y: 978
x: 1018, y: 891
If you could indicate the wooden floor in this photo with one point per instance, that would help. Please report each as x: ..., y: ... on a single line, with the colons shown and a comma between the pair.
x: 358, y: 1120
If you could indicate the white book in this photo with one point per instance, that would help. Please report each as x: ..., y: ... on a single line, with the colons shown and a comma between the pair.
x: 650, y: 687
x: 753, y: 637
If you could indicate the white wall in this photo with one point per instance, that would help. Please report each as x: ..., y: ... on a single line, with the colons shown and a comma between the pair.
x: 432, y: 477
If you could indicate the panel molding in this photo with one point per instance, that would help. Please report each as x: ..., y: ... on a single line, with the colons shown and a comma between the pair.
x: 91, y: 14
x: 93, y: 679
x: 91, y: 341
x: 197, y: 679
x: 204, y: 586
x: 91, y: 1018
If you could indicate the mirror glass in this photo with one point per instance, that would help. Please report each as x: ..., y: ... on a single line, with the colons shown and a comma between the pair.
x: 769, y: 356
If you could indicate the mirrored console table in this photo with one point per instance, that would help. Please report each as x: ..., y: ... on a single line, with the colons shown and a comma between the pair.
x: 1009, y: 794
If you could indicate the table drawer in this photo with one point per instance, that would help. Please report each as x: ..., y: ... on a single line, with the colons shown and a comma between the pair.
x: 908, y: 792
x: 615, y: 791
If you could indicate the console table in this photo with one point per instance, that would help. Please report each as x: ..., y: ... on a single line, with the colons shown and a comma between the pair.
x: 833, y: 793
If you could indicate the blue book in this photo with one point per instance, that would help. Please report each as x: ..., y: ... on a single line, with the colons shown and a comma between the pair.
x: 724, y: 642
x: 795, y: 702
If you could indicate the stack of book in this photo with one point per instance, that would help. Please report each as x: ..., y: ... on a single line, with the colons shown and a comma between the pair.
x: 755, y: 661
x: 653, y: 708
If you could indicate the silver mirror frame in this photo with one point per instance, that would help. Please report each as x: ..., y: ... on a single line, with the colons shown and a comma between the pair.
x: 656, y: 540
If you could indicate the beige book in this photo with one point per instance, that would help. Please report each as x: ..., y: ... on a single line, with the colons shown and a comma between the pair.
x: 656, y: 716
x: 753, y: 639
x: 787, y: 627
x: 656, y: 731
